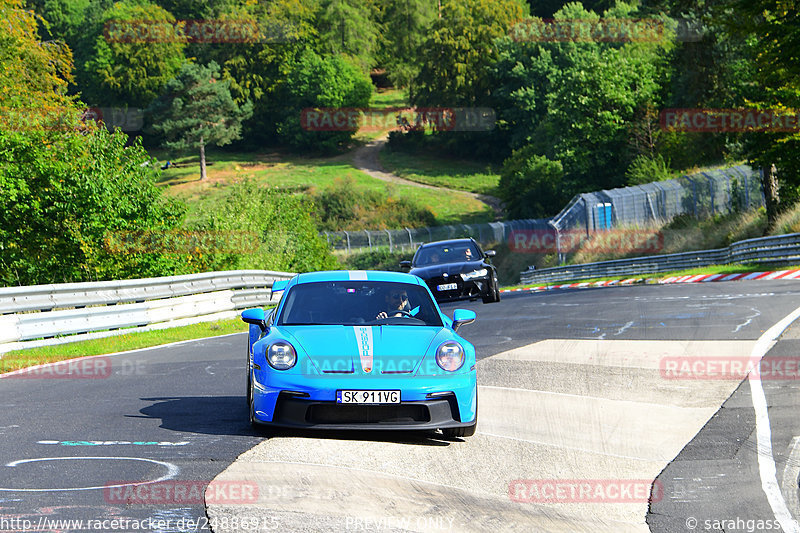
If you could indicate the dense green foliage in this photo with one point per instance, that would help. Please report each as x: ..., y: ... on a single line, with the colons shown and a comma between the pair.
x: 123, y: 72
x: 63, y: 194
x: 318, y: 82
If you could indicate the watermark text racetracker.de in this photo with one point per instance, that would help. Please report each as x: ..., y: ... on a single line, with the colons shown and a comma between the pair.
x: 179, y: 241
x: 547, y: 241
x: 730, y: 120
x: 397, y: 118
x: 97, y: 367
x: 585, y: 491
x: 729, y: 368
x: 125, y: 524
x: 181, y: 492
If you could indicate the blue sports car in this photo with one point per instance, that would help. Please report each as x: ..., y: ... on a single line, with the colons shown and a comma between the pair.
x: 360, y: 350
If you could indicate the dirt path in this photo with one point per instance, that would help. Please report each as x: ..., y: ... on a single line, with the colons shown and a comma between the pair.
x: 365, y: 158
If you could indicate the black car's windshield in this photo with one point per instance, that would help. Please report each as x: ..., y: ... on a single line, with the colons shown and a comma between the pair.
x: 456, y: 253
x: 352, y: 303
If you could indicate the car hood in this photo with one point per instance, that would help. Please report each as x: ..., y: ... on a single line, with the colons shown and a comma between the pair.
x: 386, y: 349
x: 451, y: 269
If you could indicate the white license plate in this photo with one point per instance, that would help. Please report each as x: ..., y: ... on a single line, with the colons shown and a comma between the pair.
x: 368, y: 396
x: 447, y: 287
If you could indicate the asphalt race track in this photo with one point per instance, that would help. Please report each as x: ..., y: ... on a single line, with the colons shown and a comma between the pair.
x: 579, y: 420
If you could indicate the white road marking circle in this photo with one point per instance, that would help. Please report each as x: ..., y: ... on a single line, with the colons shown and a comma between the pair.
x: 172, y: 471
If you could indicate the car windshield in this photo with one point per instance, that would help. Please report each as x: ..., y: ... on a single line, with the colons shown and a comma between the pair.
x: 351, y: 303
x: 456, y: 253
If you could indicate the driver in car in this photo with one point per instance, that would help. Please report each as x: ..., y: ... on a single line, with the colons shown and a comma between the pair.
x: 396, y: 303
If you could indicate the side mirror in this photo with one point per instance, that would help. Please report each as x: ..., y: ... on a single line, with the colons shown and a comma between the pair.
x: 255, y: 316
x: 405, y: 265
x: 489, y: 253
x: 462, y: 317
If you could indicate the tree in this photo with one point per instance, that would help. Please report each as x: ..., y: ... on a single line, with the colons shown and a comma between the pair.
x: 349, y: 27
x: 127, y: 67
x: 258, y: 71
x: 320, y: 82
x: 578, y: 102
x: 459, y: 50
x: 197, y: 110
x: 34, y: 75
x: 774, y: 26
x: 406, y: 23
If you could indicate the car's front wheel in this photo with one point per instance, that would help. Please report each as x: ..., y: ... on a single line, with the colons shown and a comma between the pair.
x: 251, y: 401
x: 466, y: 431
x: 492, y: 292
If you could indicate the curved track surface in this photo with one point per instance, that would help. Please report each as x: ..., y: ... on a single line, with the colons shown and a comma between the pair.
x: 572, y: 389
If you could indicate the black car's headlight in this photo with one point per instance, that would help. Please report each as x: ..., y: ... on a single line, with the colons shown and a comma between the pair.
x: 480, y: 273
x: 281, y: 355
x: 450, y: 356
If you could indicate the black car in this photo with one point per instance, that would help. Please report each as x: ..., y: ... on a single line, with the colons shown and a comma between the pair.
x: 455, y: 270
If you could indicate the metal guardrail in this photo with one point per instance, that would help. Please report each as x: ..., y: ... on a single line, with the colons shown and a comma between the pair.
x: 783, y: 249
x: 43, y: 311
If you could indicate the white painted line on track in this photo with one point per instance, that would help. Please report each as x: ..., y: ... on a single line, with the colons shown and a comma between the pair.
x: 172, y: 471
x: 766, y: 461
x: 790, y: 474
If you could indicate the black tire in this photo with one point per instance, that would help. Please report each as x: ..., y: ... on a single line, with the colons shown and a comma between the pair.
x: 466, y: 431
x: 492, y: 293
x: 251, y: 403
x: 249, y: 374
x: 249, y: 389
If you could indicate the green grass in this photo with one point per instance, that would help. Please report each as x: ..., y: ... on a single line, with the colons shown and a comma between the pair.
x: 296, y: 172
x: 118, y: 343
x: 382, y: 99
x: 450, y: 173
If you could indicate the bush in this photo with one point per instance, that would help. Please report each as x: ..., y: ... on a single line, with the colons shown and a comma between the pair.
x: 531, y: 185
x: 64, y: 193
x: 277, y: 228
x: 381, y: 259
x: 347, y: 207
x: 644, y: 169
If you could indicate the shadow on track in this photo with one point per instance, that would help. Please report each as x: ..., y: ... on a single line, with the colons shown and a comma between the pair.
x: 227, y: 415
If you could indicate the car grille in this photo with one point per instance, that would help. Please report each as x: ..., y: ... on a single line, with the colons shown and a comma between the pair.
x: 367, y: 414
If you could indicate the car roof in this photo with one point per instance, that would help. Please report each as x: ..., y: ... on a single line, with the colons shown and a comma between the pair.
x: 356, y: 275
x: 451, y: 241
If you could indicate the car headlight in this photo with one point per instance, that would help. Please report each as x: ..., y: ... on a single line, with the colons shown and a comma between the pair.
x: 474, y: 274
x: 450, y: 356
x: 281, y: 355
